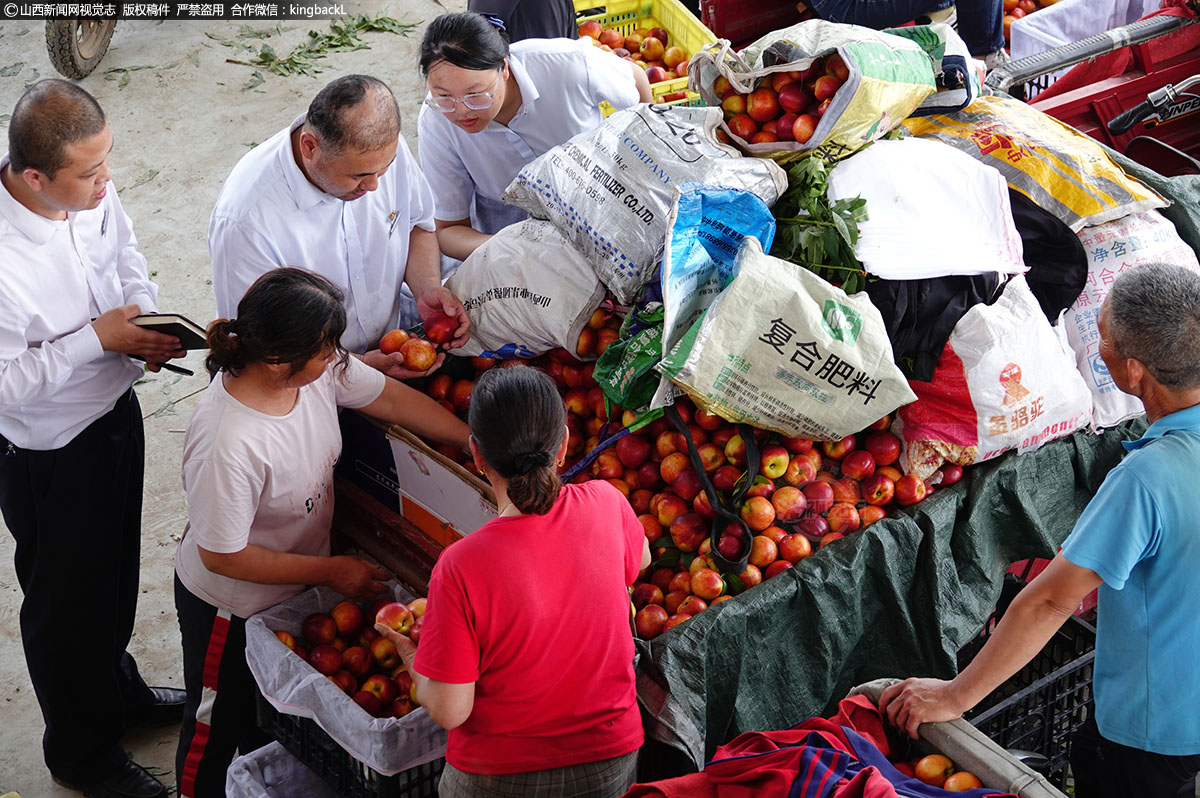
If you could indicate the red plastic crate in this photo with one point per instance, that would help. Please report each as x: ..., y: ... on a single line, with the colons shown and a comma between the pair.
x: 741, y: 22
x: 1167, y: 59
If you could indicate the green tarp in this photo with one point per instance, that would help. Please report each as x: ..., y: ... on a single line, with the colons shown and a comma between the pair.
x: 897, y: 599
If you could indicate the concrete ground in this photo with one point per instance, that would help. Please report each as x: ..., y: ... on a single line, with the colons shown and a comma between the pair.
x: 181, y: 116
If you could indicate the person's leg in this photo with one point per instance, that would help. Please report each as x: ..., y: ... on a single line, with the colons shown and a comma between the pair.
x: 607, y: 778
x: 876, y: 14
x: 981, y: 25
x: 1104, y: 769
x: 219, y: 716
x: 71, y: 511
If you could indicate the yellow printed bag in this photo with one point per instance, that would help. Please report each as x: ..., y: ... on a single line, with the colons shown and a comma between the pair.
x: 1060, y: 169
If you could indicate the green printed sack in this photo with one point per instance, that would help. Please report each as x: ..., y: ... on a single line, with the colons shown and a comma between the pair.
x: 889, y: 79
x: 784, y: 350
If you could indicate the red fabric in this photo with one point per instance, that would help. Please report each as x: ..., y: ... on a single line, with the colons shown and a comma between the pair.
x: 534, y: 610
x: 1111, y: 64
x: 802, y: 762
x: 943, y: 410
x: 764, y: 764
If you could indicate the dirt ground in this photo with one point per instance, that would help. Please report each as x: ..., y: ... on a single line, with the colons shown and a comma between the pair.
x: 181, y: 116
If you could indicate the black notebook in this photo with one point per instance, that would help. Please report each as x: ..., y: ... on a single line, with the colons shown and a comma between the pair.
x: 190, y: 334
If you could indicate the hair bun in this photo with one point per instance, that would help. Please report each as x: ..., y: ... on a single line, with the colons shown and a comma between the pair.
x: 530, y: 460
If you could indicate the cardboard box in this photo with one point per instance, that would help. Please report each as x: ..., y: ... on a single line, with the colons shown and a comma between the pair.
x: 431, y: 492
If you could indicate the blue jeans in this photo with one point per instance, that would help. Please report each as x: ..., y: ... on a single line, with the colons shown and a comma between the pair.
x: 980, y: 22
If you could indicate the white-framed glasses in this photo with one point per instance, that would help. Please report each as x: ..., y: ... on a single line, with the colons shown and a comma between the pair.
x: 476, y: 101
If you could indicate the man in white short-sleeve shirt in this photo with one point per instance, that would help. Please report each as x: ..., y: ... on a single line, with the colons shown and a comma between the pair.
x: 338, y: 193
x: 561, y: 83
x: 71, y: 438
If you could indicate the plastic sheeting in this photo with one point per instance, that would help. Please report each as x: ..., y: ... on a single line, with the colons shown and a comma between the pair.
x: 897, y: 599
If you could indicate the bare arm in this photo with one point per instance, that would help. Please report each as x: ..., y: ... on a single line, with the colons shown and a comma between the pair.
x: 458, y: 239
x: 350, y: 576
x: 1031, y: 620
x: 645, y: 93
x: 448, y: 704
x: 415, y: 411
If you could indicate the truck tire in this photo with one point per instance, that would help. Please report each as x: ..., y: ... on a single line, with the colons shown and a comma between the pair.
x: 76, y: 46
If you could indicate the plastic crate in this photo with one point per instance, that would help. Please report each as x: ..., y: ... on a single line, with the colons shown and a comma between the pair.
x: 682, y: 28
x: 309, y: 743
x: 1042, y: 706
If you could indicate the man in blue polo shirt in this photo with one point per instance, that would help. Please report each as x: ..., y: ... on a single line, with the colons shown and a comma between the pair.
x: 1138, y: 541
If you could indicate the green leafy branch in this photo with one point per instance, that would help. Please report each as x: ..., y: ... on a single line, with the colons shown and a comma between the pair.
x: 818, y: 234
x: 343, y: 37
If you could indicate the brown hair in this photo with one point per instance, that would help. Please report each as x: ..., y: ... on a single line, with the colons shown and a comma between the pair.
x: 50, y: 115
x: 288, y: 316
x: 517, y: 420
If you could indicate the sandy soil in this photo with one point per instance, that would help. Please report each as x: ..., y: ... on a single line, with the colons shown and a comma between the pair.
x: 181, y: 116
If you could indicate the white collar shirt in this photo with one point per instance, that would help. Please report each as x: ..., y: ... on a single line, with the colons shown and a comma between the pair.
x: 562, y: 83
x: 55, y: 277
x: 269, y: 215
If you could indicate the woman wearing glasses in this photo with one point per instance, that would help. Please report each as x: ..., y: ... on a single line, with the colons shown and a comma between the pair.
x: 492, y: 109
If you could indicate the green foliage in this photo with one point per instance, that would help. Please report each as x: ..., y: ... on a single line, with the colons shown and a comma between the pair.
x: 816, y: 233
x: 342, y: 37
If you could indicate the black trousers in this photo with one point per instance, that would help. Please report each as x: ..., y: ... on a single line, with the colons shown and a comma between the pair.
x: 76, y: 515
x: 219, y: 717
x: 1104, y: 769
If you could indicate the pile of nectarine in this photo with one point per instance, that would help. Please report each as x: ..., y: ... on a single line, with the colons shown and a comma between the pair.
x: 784, y: 106
x: 807, y: 494
x: 649, y: 48
x: 343, y: 645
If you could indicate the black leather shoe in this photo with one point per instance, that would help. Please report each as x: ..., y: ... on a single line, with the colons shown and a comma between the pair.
x: 166, y: 710
x: 130, y: 781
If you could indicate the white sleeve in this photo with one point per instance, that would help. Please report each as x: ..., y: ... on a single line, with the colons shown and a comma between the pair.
x: 444, y: 169
x: 136, y: 285
x: 609, y: 78
x: 239, y: 257
x: 222, y: 500
x: 29, y: 374
x: 359, y: 385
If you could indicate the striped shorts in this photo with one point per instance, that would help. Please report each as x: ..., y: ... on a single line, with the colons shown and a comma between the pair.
x: 608, y: 778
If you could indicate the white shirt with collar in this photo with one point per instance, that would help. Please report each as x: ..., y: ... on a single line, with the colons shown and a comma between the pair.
x: 562, y: 83
x: 55, y: 277
x: 269, y: 215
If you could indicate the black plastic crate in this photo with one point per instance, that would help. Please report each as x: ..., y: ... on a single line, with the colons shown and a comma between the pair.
x: 309, y: 743
x: 1044, y: 703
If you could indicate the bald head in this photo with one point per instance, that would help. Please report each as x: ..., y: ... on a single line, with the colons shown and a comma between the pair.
x: 354, y: 113
x: 51, y: 115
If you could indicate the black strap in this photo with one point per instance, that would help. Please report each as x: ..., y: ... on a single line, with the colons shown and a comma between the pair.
x: 726, y: 512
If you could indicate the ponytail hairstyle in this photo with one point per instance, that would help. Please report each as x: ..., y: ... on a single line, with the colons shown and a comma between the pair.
x: 288, y: 316
x: 517, y: 420
x: 467, y: 40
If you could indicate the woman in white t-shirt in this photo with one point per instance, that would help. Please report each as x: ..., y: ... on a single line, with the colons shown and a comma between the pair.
x: 258, y: 472
x: 492, y: 109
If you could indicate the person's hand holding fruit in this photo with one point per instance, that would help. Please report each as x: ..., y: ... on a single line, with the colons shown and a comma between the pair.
x: 404, y: 357
x: 445, y: 318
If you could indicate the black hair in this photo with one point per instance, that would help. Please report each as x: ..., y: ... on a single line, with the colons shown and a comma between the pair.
x: 50, y: 115
x: 378, y: 127
x: 288, y: 316
x: 467, y: 40
x: 518, y: 420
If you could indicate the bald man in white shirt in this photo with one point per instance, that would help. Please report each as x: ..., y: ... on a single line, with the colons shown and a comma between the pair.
x: 71, y: 440
x: 337, y: 192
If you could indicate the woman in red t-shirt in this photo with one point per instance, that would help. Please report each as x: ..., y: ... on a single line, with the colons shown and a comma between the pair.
x: 526, y: 654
